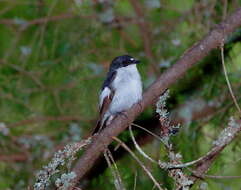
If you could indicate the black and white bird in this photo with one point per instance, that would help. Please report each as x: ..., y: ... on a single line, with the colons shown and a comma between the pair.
x: 121, y: 89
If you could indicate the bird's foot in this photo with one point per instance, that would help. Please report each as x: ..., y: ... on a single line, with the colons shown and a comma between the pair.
x: 124, y: 114
x: 140, y: 106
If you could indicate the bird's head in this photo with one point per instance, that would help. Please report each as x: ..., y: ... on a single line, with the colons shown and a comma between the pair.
x: 123, y: 61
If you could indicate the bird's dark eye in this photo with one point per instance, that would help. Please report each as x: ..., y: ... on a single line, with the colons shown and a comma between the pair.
x: 128, y: 61
x: 125, y: 63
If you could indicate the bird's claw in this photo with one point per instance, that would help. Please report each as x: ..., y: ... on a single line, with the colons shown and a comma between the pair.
x: 123, y: 113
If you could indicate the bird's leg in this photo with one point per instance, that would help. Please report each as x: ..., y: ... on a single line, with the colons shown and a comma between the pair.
x: 140, y: 106
x: 109, y: 120
x: 124, y: 113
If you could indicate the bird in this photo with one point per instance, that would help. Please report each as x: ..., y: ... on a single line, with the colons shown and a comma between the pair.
x: 121, y: 89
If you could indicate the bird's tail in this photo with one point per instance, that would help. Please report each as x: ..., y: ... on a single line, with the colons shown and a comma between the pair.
x: 97, y: 128
x: 101, y: 124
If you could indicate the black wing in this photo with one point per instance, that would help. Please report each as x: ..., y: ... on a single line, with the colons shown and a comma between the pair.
x: 110, y: 77
x: 106, y: 100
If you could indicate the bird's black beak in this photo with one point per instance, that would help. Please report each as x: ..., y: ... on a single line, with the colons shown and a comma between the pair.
x: 136, y: 61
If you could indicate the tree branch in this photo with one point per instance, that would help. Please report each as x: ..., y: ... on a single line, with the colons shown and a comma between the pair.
x: 197, y: 52
x: 225, y: 138
x: 145, y: 33
x: 14, y: 158
x: 43, y: 20
x: 38, y: 119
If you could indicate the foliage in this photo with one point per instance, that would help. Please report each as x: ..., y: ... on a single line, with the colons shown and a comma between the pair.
x: 53, y: 59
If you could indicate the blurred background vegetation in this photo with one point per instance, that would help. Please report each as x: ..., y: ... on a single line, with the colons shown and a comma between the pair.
x: 54, y: 55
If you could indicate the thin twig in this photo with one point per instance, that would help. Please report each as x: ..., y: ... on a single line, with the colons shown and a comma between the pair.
x: 22, y: 157
x: 134, y: 188
x: 39, y: 119
x: 225, y: 7
x: 139, y: 148
x: 184, y: 165
x: 114, y: 170
x: 139, y: 162
x: 202, y: 176
x: 227, y: 79
x: 28, y: 74
x: 146, y: 34
x: 148, y: 131
x: 222, y: 177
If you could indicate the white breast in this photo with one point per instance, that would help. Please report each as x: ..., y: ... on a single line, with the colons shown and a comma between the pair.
x: 128, y: 89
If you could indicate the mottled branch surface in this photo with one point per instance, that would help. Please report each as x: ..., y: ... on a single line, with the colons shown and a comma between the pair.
x: 226, y: 136
x: 191, y: 57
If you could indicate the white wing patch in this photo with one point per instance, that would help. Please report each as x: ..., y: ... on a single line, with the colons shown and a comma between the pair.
x: 106, y: 92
